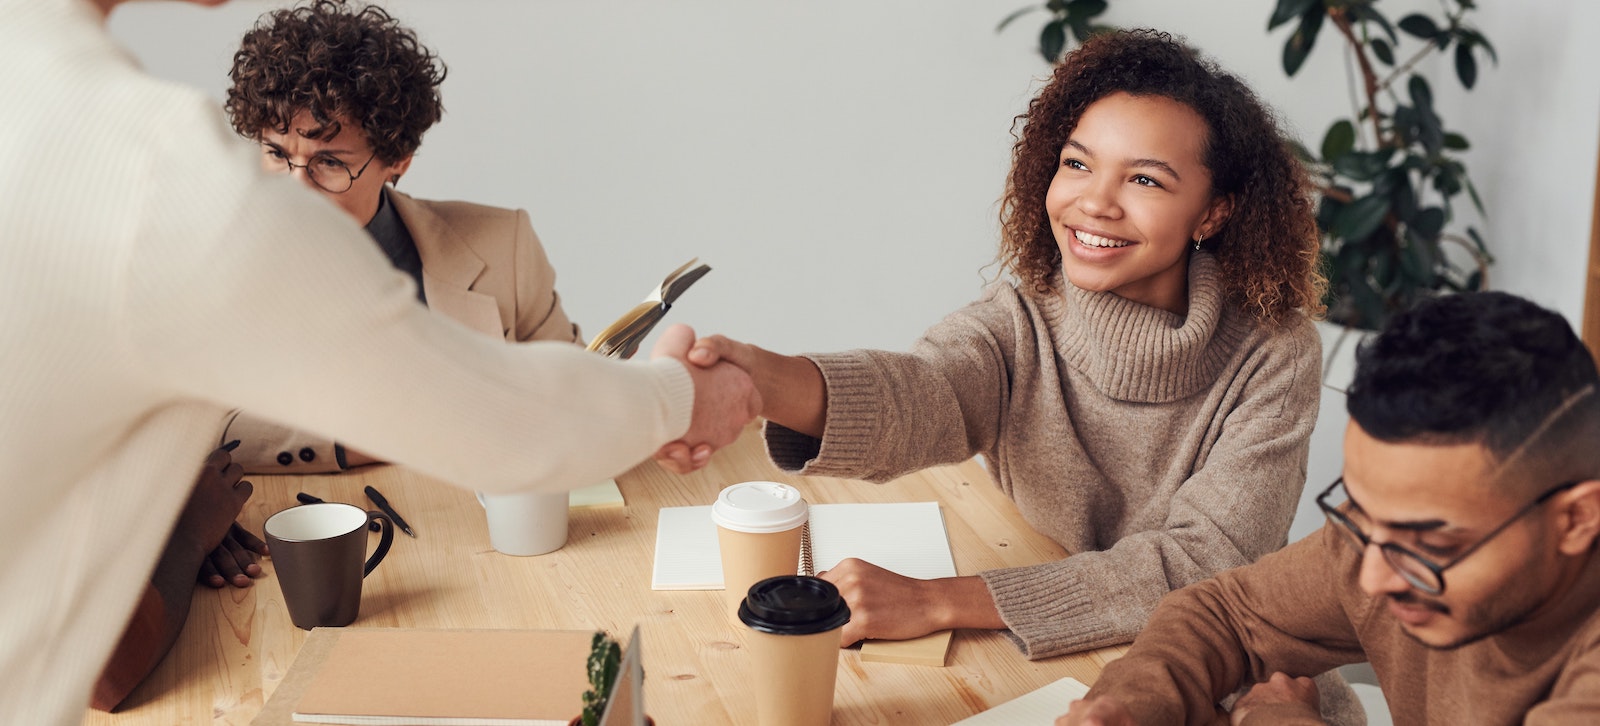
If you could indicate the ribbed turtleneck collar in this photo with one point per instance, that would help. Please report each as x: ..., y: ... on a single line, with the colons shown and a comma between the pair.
x: 1134, y: 352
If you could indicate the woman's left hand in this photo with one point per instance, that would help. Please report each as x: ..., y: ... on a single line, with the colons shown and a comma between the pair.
x: 889, y: 606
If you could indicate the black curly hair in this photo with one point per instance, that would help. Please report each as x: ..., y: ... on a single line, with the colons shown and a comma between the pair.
x: 337, y: 60
x: 1488, y: 368
x: 1268, y: 249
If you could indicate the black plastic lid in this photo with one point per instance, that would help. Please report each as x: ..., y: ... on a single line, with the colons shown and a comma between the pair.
x: 793, y: 605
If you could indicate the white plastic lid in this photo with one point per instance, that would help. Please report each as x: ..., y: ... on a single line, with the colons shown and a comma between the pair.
x: 759, y: 507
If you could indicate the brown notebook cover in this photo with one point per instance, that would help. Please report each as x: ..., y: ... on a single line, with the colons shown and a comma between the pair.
x: 404, y: 675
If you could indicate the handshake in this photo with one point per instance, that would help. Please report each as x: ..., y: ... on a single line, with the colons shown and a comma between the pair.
x: 726, y: 394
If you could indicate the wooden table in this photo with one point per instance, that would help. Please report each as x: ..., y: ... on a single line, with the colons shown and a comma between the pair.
x: 239, y: 642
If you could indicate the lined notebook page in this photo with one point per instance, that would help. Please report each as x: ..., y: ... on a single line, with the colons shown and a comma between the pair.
x: 1035, y: 708
x: 908, y: 538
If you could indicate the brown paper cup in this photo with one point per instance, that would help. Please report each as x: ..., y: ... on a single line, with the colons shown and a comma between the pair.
x: 750, y: 557
x: 759, y: 524
x: 793, y: 639
x: 794, y: 677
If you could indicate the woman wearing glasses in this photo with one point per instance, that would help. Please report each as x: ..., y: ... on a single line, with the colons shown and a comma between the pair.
x: 339, y: 97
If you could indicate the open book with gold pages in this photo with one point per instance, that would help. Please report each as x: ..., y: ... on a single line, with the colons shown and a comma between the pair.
x: 621, y: 338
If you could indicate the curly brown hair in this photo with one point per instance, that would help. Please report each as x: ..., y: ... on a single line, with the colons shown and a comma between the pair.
x: 1268, y: 248
x: 336, y: 60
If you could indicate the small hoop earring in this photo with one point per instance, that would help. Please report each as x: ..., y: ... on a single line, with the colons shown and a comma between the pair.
x: 1197, y: 242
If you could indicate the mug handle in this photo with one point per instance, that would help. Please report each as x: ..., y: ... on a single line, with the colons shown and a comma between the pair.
x: 386, y: 539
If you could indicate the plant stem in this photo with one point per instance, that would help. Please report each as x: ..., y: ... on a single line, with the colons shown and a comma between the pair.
x: 1368, y: 77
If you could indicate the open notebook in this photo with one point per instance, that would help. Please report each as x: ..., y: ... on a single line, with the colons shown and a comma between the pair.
x: 1035, y: 708
x: 907, y: 538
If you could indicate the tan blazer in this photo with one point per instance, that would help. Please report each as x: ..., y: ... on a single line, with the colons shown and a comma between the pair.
x: 481, y: 266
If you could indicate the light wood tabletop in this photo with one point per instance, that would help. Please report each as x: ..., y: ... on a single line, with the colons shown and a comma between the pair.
x: 238, y: 643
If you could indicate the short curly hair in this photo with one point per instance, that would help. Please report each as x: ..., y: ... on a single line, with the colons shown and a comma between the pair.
x: 338, y: 61
x: 1268, y: 248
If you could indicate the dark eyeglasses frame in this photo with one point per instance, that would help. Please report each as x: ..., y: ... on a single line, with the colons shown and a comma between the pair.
x: 313, y: 177
x: 1393, y: 553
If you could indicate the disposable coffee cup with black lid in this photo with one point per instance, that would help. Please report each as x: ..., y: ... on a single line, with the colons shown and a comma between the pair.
x: 793, y: 605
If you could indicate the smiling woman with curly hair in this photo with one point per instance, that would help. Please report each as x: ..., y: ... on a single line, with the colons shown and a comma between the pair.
x: 1144, y: 389
x: 1267, y: 250
x: 339, y: 95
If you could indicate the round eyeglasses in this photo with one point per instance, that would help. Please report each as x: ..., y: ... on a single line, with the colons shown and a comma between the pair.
x: 328, y: 173
x: 1418, y: 571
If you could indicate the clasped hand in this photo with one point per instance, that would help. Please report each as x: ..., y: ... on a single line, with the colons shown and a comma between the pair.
x: 725, y: 401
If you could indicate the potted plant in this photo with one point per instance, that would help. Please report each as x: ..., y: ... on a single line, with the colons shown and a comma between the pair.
x: 603, y: 664
x: 1388, y: 177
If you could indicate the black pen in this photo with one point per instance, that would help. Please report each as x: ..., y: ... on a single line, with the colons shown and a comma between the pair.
x: 383, y: 504
x: 308, y: 499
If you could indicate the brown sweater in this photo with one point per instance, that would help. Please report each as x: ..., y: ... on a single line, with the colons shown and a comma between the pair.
x: 1160, y: 448
x: 1300, y: 611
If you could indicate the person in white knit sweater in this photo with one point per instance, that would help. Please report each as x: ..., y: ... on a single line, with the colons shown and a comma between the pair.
x: 145, y: 258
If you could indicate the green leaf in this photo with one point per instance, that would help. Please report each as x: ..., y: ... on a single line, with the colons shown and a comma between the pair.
x: 1475, y: 281
x: 1430, y: 131
x: 1421, y: 94
x: 1016, y: 14
x: 1447, y: 182
x: 1298, y: 47
x: 1428, y: 223
x: 1478, y: 240
x: 1339, y: 140
x: 1417, y: 260
x: 1420, y: 26
x: 1370, y: 13
x: 1402, y: 196
x: 1466, y: 65
x: 1085, y: 9
x: 1287, y: 10
x: 1361, y: 218
x: 1053, y: 40
x: 1471, y: 35
x: 1371, y: 312
x: 1382, y: 51
x: 1472, y: 192
x: 1328, y: 210
x: 1455, y: 142
x: 1363, y: 165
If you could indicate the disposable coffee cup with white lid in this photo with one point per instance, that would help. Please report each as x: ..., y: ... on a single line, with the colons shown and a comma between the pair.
x: 759, y: 507
x: 759, y: 528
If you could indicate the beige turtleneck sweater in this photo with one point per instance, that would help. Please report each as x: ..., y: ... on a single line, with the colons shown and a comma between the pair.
x: 1301, y: 611
x: 1160, y: 448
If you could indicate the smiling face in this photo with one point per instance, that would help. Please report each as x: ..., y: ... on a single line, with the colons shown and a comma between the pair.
x: 349, y: 150
x: 1130, y: 197
x: 1437, y: 501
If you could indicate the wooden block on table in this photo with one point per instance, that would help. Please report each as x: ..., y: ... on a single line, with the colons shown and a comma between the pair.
x: 604, y: 494
x: 928, y: 650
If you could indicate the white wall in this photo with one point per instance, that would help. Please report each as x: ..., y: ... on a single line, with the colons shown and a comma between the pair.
x: 838, y: 162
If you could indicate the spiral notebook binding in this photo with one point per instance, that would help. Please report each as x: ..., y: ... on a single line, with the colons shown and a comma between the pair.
x: 807, y: 566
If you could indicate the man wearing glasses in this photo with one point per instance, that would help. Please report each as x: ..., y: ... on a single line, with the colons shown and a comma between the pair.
x: 1458, y: 555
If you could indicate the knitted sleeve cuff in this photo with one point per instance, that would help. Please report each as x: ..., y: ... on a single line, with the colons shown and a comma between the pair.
x: 1048, y: 610
x: 850, y: 429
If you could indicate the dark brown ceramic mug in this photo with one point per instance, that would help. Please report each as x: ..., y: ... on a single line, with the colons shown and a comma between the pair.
x: 318, y: 551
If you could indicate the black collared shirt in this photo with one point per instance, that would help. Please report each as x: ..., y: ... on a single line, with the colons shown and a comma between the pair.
x: 395, y: 240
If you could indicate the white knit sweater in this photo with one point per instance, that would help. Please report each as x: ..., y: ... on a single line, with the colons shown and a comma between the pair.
x: 143, y: 261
